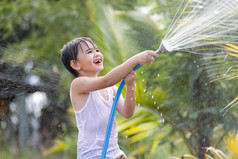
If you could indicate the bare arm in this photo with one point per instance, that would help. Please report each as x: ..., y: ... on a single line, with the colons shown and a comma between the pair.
x: 83, y: 85
x: 126, y: 106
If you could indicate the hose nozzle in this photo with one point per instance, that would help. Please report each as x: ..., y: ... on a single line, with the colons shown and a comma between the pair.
x: 161, y: 49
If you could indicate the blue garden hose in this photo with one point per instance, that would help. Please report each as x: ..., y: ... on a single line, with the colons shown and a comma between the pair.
x: 114, y: 106
x: 112, y: 114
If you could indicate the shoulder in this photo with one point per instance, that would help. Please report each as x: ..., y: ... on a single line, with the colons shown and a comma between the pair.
x: 84, y: 84
x: 78, y: 99
x: 77, y: 84
x: 78, y: 81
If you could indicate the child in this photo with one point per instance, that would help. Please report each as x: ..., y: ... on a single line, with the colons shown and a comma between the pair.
x: 92, y: 96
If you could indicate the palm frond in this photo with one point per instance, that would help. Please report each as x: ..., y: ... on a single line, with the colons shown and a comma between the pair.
x: 59, y: 146
x: 232, y: 144
x: 222, y: 67
x: 109, y: 33
x: 218, y: 154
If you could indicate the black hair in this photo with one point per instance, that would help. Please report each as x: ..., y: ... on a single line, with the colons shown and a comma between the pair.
x: 70, y: 51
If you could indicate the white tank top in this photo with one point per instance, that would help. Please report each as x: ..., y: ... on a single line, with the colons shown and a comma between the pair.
x: 92, y: 122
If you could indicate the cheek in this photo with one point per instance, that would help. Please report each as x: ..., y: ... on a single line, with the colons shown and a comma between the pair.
x: 85, y: 59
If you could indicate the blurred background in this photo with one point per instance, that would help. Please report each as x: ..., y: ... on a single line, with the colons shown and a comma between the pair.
x: 179, y: 97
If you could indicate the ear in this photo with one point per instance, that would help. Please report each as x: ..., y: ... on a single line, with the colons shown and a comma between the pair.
x: 75, y: 65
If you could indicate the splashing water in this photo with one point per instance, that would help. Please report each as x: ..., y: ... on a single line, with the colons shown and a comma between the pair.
x: 201, y: 26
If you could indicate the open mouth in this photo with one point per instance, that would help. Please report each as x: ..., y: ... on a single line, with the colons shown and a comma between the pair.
x: 97, y: 61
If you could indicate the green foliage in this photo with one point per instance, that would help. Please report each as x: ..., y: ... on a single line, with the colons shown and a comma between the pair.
x: 211, y: 153
x: 7, y: 153
x: 222, y: 68
x: 122, y: 4
x: 176, y: 85
x: 65, y: 146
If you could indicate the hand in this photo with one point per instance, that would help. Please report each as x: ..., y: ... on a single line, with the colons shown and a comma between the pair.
x: 130, y: 78
x: 146, y: 57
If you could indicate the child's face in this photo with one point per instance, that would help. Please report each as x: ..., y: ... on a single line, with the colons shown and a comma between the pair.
x: 90, y: 59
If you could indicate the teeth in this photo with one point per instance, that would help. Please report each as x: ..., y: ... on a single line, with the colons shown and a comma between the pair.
x: 97, y: 61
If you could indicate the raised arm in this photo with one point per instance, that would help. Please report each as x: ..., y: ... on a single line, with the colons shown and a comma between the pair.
x: 83, y: 84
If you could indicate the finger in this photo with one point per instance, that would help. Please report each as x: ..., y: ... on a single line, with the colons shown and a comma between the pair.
x: 133, y: 72
x: 147, y: 62
x: 151, y: 59
x: 152, y: 53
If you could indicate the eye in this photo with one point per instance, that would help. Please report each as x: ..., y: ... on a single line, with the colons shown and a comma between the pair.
x: 90, y: 51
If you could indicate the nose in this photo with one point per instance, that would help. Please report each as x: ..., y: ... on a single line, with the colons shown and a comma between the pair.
x: 97, y: 53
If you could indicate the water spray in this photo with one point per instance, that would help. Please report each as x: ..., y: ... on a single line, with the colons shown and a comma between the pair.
x: 199, y: 27
x: 203, y: 27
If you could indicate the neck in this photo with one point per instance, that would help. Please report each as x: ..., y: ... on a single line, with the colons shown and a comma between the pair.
x: 88, y: 74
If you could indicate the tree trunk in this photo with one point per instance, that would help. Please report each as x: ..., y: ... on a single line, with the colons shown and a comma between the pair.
x: 204, y: 119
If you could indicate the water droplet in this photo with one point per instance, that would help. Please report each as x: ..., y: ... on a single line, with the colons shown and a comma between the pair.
x: 152, y: 97
x: 158, y: 107
x: 161, y: 114
x: 138, y: 105
x: 194, y: 61
x: 133, y: 89
x: 58, y: 126
x: 144, y: 90
x: 132, y: 98
x: 126, y: 136
x: 141, y: 72
x: 163, y: 120
x: 158, y: 75
x: 135, y: 98
x: 197, y: 66
x: 143, y: 80
x: 205, y: 84
x: 155, y: 102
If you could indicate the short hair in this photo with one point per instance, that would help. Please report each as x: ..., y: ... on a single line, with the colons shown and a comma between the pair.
x: 70, y: 51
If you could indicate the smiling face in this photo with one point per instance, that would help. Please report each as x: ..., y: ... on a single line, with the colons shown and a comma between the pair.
x: 89, y: 59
